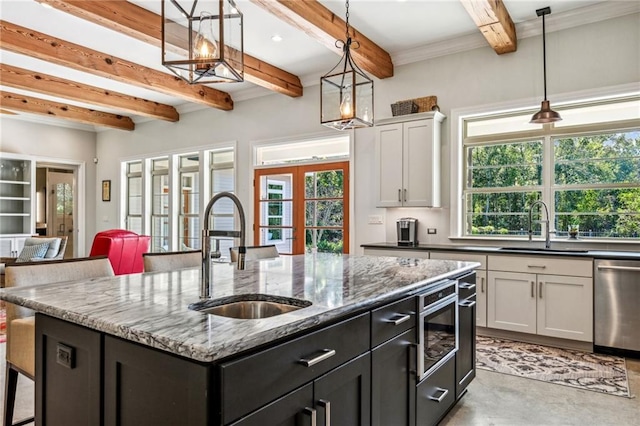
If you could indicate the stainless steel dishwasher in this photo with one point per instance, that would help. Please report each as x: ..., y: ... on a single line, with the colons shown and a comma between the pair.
x: 616, y: 305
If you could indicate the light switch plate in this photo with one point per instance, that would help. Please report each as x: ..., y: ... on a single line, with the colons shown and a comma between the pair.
x: 374, y: 219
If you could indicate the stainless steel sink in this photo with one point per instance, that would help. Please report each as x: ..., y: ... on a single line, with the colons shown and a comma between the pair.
x: 250, y: 306
x: 542, y: 249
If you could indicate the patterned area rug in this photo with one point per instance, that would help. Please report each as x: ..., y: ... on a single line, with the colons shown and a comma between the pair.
x: 595, y: 372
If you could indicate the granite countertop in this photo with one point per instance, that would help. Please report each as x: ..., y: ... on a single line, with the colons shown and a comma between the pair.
x: 524, y: 249
x: 152, y: 308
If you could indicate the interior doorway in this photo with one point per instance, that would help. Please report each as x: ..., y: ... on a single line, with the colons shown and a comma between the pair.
x: 56, y: 205
x: 303, y: 209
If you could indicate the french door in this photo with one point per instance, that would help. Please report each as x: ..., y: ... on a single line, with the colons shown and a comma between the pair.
x: 303, y: 209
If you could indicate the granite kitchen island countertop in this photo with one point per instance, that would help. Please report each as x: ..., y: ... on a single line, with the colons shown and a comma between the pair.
x: 153, y: 308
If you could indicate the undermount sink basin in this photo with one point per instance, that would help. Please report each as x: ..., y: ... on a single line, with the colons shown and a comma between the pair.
x: 542, y: 249
x: 250, y: 306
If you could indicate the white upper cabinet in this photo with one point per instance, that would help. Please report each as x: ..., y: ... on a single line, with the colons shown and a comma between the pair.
x: 408, y: 160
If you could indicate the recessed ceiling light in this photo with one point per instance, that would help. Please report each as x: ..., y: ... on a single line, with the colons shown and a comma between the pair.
x: 276, y: 38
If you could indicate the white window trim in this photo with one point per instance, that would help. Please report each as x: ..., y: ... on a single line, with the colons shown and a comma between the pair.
x: 457, y: 133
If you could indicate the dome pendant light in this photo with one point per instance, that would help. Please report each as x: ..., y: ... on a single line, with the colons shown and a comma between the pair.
x: 546, y: 114
x: 346, y: 92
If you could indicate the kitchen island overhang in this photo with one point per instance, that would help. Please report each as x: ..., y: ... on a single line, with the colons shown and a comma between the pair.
x: 152, y: 309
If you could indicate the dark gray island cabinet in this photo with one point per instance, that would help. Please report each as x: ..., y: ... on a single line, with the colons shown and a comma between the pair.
x: 369, y: 381
x: 356, y: 367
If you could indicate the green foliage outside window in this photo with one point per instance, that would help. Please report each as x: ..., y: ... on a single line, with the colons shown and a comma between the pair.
x: 596, y: 185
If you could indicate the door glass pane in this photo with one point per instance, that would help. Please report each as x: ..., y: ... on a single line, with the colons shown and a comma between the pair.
x: 323, y: 241
x: 326, y: 184
x: 324, y: 213
x: 282, y: 238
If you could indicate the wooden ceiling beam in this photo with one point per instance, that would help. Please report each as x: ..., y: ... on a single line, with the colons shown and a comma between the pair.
x: 320, y: 23
x: 144, y: 25
x: 20, y: 78
x: 29, y: 104
x: 494, y: 21
x: 47, y: 48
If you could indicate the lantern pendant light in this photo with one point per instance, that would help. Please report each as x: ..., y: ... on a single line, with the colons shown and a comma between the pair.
x: 346, y: 92
x: 202, y: 40
x: 546, y: 114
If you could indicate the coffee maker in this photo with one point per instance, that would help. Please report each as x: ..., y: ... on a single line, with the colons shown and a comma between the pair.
x: 407, y: 228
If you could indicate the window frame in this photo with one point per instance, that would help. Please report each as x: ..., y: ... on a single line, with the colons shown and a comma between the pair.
x: 548, y: 134
x: 205, y: 178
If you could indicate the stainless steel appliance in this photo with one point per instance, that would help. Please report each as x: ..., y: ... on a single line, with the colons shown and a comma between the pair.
x: 407, y: 228
x: 616, y: 299
x: 437, y: 326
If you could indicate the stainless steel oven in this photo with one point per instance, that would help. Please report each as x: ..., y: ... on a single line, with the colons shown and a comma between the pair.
x: 437, y: 326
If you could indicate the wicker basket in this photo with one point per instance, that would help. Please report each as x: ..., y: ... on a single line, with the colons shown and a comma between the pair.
x: 404, y: 107
x: 427, y: 103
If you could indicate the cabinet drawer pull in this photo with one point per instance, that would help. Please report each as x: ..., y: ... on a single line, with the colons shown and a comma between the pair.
x: 467, y: 303
x: 482, y: 285
x: 327, y: 411
x: 467, y: 286
x: 311, y: 412
x: 405, y: 195
x: 443, y: 396
x: 536, y: 266
x: 310, y: 362
x: 400, y: 319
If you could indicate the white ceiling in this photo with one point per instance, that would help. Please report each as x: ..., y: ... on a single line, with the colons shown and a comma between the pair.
x: 408, y: 30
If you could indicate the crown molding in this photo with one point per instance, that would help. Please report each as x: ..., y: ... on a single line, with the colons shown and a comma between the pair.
x: 561, y: 21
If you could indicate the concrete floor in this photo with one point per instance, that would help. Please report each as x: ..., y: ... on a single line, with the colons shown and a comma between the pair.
x: 492, y: 399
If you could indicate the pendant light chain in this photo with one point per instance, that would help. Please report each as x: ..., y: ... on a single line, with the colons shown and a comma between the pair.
x: 347, y: 37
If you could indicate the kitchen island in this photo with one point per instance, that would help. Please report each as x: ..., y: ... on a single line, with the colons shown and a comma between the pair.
x: 129, y: 348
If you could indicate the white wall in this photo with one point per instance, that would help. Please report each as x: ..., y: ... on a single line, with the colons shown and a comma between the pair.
x: 57, y: 144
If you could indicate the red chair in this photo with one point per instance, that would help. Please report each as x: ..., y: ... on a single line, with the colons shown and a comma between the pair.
x: 123, y: 248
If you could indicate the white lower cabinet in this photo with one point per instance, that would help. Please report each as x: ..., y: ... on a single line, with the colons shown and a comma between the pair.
x: 481, y: 279
x: 481, y: 298
x: 555, y: 305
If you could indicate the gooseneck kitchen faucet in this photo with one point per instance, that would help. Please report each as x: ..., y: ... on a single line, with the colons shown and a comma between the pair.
x: 205, y: 288
x: 547, y: 236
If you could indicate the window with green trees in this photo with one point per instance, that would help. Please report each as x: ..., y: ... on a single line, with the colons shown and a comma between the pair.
x: 587, y: 174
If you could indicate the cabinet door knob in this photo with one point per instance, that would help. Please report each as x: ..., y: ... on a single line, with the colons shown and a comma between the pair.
x: 325, y: 354
x: 327, y: 411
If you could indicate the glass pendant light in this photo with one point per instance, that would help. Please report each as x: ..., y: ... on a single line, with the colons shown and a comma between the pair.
x: 346, y: 92
x: 202, y: 40
x: 546, y: 114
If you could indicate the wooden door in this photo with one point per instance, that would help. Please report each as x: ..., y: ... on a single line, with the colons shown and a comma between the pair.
x: 303, y: 209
